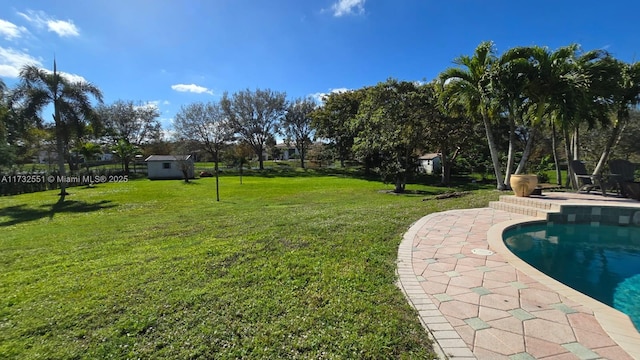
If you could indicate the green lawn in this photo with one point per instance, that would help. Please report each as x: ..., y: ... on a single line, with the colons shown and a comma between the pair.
x: 282, y: 267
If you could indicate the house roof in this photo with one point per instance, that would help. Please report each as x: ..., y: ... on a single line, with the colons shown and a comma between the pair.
x: 168, y: 158
x: 429, y: 156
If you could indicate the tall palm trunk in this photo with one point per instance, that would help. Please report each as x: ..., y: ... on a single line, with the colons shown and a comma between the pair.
x: 576, y: 143
x: 60, y: 149
x: 571, y: 179
x: 527, y: 151
x: 554, y: 151
x: 493, y: 150
x: 511, y: 152
x: 612, y: 141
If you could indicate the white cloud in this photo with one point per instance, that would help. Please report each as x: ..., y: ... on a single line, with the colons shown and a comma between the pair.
x: 167, y: 128
x: 10, y: 30
x: 42, y: 20
x: 348, y: 7
x: 73, y: 77
x: 152, y: 105
x: 70, y: 77
x: 191, y: 88
x: 11, y: 61
x: 319, y: 96
x: 63, y: 28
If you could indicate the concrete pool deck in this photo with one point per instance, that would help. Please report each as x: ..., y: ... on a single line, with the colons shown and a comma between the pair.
x: 478, y: 306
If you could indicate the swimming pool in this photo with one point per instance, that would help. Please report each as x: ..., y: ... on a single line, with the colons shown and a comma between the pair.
x: 601, y: 261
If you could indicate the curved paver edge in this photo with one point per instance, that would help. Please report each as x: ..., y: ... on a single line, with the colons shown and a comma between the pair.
x: 417, y: 297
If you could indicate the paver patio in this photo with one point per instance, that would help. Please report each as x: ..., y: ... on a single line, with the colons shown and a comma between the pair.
x: 479, y: 306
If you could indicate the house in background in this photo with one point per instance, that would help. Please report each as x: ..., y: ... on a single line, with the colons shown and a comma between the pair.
x: 46, y: 157
x: 429, y: 163
x: 105, y: 157
x: 165, y: 167
x: 287, y: 151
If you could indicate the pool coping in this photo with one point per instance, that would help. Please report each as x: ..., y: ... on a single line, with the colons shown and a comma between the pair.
x: 615, y: 323
x: 448, y: 342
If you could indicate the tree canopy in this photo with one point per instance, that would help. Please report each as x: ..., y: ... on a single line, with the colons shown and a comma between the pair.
x: 71, y: 101
x: 255, y: 116
x: 297, y: 125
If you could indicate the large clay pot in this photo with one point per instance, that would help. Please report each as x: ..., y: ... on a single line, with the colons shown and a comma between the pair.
x: 524, y: 184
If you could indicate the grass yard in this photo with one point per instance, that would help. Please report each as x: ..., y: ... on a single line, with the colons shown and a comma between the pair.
x: 282, y: 267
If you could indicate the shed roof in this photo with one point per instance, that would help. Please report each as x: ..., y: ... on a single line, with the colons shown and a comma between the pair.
x: 429, y: 156
x: 168, y: 158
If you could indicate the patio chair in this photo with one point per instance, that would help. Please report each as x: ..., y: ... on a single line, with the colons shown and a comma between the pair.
x: 623, y: 172
x: 587, y: 182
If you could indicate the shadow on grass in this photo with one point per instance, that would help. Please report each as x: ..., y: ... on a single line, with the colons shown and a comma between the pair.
x: 460, y: 182
x: 22, y: 213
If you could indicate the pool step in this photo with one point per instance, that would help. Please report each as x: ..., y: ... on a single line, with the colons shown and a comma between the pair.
x: 531, y: 206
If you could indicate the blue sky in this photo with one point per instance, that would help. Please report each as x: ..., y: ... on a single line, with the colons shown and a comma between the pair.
x: 171, y: 53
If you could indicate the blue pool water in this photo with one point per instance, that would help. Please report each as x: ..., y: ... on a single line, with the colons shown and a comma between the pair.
x: 602, y: 262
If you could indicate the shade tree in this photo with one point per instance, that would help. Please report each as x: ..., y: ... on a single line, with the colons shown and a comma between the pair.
x: 448, y: 130
x: 392, y: 126
x: 135, y: 123
x: 255, y: 116
x: 207, y: 125
x: 334, y: 121
x: 297, y: 127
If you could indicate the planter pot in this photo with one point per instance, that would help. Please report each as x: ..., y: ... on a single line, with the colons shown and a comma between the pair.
x: 523, y: 185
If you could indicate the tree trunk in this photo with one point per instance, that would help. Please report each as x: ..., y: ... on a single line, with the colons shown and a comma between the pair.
x: 527, y: 152
x: 302, y: 154
x: 444, y: 167
x: 399, y: 184
x: 571, y: 179
x: 446, y: 163
x: 612, y: 141
x: 554, y: 151
x: 260, y: 159
x: 215, y: 170
x: 60, y: 150
x: 495, y: 159
x: 511, y: 152
x: 576, y: 143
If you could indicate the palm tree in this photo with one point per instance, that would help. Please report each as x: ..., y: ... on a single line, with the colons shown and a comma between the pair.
x: 469, y: 85
x: 623, y: 87
x: 586, y: 99
x: 126, y: 152
x: 71, y: 105
x: 552, y: 87
x: 509, y: 80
